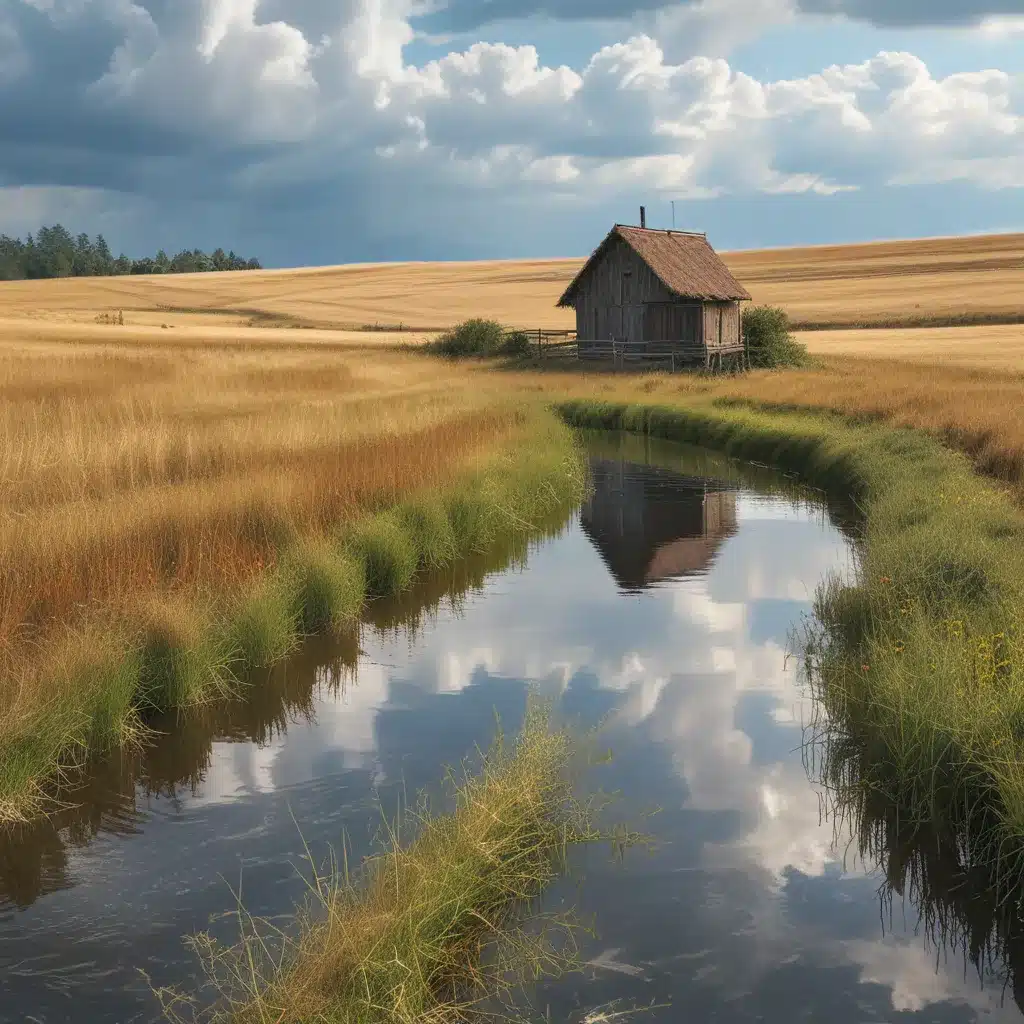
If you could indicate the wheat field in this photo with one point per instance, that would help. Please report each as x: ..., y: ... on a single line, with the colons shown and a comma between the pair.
x: 855, y: 285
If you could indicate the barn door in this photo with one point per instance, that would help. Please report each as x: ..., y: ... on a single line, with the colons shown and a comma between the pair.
x: 671, y: 321
x: 655, y: 324
x: 615, y: 323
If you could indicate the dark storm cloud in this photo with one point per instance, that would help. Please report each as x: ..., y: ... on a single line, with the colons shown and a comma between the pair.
x: 466, y: 15
x: 907, y: 13
x: 43, y: 110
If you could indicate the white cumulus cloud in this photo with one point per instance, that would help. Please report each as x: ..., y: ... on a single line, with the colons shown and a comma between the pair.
x: 245, y: 105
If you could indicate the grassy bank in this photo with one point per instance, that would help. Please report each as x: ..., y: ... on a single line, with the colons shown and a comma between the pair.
x: 427, y: 929
x: 188, y: 648
x: 919, y: 657
x: 973, y: 410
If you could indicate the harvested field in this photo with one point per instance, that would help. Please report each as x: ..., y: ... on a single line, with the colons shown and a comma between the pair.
x: 909, y: 283
x: 999, y: 348
x: 906, y: 283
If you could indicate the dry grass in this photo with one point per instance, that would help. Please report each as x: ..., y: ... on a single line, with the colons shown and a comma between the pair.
x: 130, y: 472
x: 852, y: 285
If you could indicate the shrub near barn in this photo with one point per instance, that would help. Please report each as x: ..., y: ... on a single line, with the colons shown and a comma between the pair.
x: 768, y: 341
x: 479, y: 337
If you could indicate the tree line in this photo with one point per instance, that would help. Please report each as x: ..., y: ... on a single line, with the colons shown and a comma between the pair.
x: 55, y: 252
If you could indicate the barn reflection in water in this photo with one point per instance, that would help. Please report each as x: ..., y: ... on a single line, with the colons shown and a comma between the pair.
x: 651, y: 525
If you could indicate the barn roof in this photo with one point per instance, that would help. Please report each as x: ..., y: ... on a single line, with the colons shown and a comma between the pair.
x: 684, y: 262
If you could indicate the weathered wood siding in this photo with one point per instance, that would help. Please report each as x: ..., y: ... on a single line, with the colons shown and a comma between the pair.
x: 721, y: 325
x: 610, y: 300
x: 673, y: 322
x: 719, y: 513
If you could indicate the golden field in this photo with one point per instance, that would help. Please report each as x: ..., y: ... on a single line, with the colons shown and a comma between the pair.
x: 838, y: 285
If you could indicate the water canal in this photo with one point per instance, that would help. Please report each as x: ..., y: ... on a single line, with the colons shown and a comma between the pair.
x: 663, y: 609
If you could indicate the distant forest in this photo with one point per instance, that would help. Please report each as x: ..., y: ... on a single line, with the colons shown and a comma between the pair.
x: 55, y: 252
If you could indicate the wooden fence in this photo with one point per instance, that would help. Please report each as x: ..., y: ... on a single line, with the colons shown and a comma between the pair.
x: 662, y: 355
x: 545, y: 342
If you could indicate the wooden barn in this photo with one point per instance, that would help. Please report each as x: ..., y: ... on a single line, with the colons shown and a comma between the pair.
x: 660, y: 295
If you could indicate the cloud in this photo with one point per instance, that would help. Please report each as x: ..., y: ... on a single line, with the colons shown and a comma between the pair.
x: 228, y: 112
x: 469, y: 15
x: 1000, y: 28
x: 913, y: 12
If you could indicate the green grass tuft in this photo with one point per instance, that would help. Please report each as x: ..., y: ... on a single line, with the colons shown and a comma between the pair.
x: 474, y: 522
x: 328, y: 584
x: 186, y: 658
x: 387, y: 551
x: 426, y: 521
x: 265, y: 626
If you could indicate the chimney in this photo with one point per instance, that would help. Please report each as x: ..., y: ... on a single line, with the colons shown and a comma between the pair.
x: 643, y: 217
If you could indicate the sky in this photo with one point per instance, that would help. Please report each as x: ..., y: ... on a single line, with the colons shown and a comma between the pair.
x: 328, y: 131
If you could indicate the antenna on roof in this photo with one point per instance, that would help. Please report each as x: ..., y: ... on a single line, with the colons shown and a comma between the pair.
x: 643, y: 217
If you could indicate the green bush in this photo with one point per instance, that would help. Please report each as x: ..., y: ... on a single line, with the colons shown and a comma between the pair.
x: 516, y: 343
x: 479, y: 337
x: 769, y: 343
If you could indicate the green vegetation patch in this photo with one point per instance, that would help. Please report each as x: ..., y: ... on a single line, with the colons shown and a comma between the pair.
x: 388, y: 551
x: 766, y: 333
x: 479, y: 337
x: 265, y: 624
x: 328, y: 586
x: 917, y: 654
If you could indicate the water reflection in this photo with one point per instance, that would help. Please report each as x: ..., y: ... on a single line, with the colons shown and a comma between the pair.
x: 746, y: 907
x: 651, y: 524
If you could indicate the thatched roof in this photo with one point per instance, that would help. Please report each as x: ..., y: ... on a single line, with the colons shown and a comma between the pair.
x: 684, y: 262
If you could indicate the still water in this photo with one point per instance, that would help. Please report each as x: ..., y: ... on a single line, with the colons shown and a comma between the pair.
x: 664, y: 610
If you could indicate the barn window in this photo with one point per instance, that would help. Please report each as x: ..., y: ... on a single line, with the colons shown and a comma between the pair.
x: 627, y: 289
